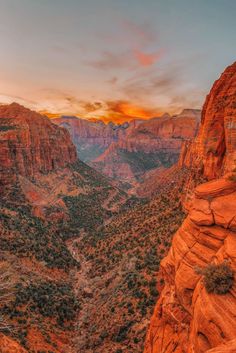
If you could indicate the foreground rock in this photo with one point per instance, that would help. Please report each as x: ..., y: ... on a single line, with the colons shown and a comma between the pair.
x: 188, y: 319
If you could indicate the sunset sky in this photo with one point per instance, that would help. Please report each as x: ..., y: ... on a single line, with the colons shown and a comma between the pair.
x: 113, y: 58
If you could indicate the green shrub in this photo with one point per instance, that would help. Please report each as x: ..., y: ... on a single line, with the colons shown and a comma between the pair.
x: 218, y: 279
x: 48, y: 299
x: 232, y: 177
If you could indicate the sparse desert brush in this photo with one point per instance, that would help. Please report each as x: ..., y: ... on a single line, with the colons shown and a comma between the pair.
x: 7, y: 288
x: 232, y: 177
x: 217, y: 278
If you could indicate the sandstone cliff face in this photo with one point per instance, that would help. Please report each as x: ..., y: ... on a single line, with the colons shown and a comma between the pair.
x: 30, y: 144
x: 157, y: 140
x: 111, y: 148
x: 182, y: 126
x: 214, y: 150
x: 92, y: 137
x: 188, y: 319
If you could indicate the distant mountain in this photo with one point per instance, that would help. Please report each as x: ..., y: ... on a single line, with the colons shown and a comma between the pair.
x: 126, y: 152
x: 92, y: 138
x: 154, y: 143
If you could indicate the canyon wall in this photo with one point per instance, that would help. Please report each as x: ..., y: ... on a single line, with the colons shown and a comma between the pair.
x: 187, y: 318
x: 31, y: 144
x: 152, y: 144
x: 125, y: 152
x: 91, y: 138
x: 214, y: 149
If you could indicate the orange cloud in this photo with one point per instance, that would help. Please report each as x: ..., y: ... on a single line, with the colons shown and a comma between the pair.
x: 116, y: 111
x: 131, y: 110
x: 146, y: 59
x: 49, y: 115
x: 121, y: 111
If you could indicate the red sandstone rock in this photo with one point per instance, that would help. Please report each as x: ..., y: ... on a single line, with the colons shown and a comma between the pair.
x: 214, y: 150
x: 162, y: 137
x: 30, y: 144
x: 188, y: 319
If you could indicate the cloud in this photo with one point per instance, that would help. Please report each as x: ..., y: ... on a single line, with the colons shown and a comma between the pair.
x: 146, y: 59
x: 91, y: 107
x: 131, y: 50
x: 129, y: 60
x: 124, y: 110
x: 111, y: 61
x: 113, y: 80
x: 8, y: 99
x: 151, y: 83
x: 141, y: 35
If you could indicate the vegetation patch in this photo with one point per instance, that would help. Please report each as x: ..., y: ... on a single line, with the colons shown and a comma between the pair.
x: 32, y: 237
x: 141, y: 161
x: 218, y: 278
x: 48, y: 299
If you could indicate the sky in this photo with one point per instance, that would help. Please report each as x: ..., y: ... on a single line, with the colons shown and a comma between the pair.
x: 113, y: 59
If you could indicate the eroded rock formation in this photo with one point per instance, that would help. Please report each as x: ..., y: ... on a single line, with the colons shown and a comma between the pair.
x: 92, y: 138
x: 188, y: 319
x: 30, y: 144
x: 153, y: 143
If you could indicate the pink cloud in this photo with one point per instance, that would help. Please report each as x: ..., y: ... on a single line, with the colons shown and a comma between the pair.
x: 145, y: 59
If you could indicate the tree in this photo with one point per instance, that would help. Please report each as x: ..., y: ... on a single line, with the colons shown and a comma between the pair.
x: 6, y: 292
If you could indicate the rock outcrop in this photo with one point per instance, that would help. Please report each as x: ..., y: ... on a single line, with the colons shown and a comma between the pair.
x: 111, y: 149
x: 31, y: 144
x: 92, y: 138
x: 187, y: 318
x: 214, y: 150
x: 154, y: 143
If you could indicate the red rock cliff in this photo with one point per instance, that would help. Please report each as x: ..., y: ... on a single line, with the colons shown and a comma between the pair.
x: 31, y: 144
x: 214, y: 150
x: 187, y: 318
x: 160, y: 137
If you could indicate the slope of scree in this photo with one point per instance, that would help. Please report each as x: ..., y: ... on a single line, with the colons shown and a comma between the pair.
x: 189, y: 317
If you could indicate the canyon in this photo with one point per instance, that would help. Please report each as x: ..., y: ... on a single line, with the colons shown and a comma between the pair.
x: 128, y: 151
x: 90, y: 267
x: 47, y: 196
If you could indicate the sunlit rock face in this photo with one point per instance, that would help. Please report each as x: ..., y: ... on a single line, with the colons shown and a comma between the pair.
x: 187, y: 318
x: 31, y: 144
x: 92, y: 138
x: 152, y: 144
x: 214, y: 150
